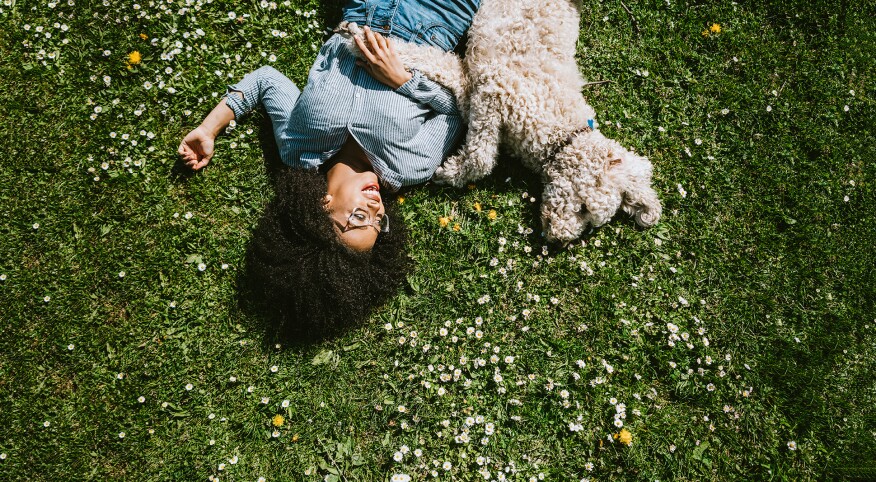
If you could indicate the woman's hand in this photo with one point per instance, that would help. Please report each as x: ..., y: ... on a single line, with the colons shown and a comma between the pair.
x: 196, y: 148
x: 381, y: 60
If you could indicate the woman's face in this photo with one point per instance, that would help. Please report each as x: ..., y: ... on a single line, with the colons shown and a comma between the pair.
x: 354, y: 192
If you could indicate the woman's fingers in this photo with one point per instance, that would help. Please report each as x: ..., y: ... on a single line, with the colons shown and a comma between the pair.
x: 377, y: 43
x: 372, y: 40
x: 383, y: 41
x: 366, y: 51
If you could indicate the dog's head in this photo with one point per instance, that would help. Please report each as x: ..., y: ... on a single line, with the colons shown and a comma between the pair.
x: 590, y: 181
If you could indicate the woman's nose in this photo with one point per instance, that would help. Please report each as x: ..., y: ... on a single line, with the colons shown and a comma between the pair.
x: 373, y: 203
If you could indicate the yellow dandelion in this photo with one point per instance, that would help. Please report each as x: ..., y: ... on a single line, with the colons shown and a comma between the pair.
x: 715, y: 28
x: 295, y: 438
x: 457, y: 227
x: 401, y: 199
x: 443, y: 221
x: 470, y: 186
x: 278, y: 420
x: 706, y: 33
x: 625, y: 437
x: 492, y: 214
x: 134, y: 58
x: 477, y: 207
x: 144, y: 36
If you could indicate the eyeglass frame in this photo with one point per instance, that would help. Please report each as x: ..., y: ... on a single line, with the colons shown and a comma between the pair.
x: 381, y: 225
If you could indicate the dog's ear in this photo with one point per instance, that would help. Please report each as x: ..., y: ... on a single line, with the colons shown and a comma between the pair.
x: 614, y: 162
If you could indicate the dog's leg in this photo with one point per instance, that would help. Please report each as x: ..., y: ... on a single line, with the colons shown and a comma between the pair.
x: 563, y: 217
x: 477, y: 157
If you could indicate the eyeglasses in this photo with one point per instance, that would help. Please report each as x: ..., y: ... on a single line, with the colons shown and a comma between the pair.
x: 360, y: 218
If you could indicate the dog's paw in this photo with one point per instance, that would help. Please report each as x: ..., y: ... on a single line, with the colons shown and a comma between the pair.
x: 561, y: 225
x: 449, y: 173
x: 348, y: 29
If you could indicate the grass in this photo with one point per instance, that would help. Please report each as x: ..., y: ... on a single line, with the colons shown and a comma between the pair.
x: 762, y: 140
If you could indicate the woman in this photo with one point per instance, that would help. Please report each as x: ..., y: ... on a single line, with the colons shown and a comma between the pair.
x: 324, y: 254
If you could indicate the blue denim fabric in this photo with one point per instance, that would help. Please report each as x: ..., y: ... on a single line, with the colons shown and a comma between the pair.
x: 440, y: 23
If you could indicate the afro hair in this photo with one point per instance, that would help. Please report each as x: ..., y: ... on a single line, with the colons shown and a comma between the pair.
x: 305, y: 282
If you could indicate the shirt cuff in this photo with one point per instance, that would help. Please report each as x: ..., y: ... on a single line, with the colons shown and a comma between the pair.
x: 409, y: 88
x: 235, y: 102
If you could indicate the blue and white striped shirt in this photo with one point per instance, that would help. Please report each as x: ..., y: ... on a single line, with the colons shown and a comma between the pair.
x: 406, y: 133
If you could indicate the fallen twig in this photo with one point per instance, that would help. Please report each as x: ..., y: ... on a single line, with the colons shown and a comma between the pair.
x: 598, y: 82
x: 632, y: 17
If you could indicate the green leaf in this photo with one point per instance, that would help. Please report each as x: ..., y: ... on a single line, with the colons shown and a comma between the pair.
x: 697, y: 453
x: 351, y: 347
x: 323, y: 357
x: 194, y: 258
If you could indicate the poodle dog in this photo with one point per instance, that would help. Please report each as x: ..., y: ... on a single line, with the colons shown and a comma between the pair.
x: 524, y: 91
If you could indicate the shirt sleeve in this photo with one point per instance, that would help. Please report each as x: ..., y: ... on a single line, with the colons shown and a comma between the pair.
x: 424, y: 91
x: 267, y: 87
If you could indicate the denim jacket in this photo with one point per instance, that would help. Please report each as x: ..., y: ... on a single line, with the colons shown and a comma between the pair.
x: 439, y: 23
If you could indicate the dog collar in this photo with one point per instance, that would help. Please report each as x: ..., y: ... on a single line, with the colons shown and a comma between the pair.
x: 559, y: 147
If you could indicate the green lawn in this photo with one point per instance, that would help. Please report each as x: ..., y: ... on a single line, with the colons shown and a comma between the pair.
x: 121, y: 358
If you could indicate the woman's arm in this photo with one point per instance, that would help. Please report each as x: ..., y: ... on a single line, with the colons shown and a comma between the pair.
x: 384, y: 64
x: 425, y: 91
x: 264, y: 87
x: 196, y: 148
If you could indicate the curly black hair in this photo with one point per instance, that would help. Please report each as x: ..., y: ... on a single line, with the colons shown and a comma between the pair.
x: 299, y: 274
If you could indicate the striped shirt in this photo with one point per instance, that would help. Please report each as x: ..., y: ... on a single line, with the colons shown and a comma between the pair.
x: 406, y: 133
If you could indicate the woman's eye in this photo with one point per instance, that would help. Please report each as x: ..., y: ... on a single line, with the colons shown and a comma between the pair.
x: 359, y: 217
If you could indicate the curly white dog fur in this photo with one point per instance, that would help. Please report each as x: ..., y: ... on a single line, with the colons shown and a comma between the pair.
x: 526, y: 90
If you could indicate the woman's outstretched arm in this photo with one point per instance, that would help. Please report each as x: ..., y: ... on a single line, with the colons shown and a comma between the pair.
x: 196, y: 148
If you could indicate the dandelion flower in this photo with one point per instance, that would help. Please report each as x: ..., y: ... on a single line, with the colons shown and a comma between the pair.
x: 625, y: 437
x: 134, y: 58
x: 715, y: 28
x: 278, y: 420
x: 492, y: 214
